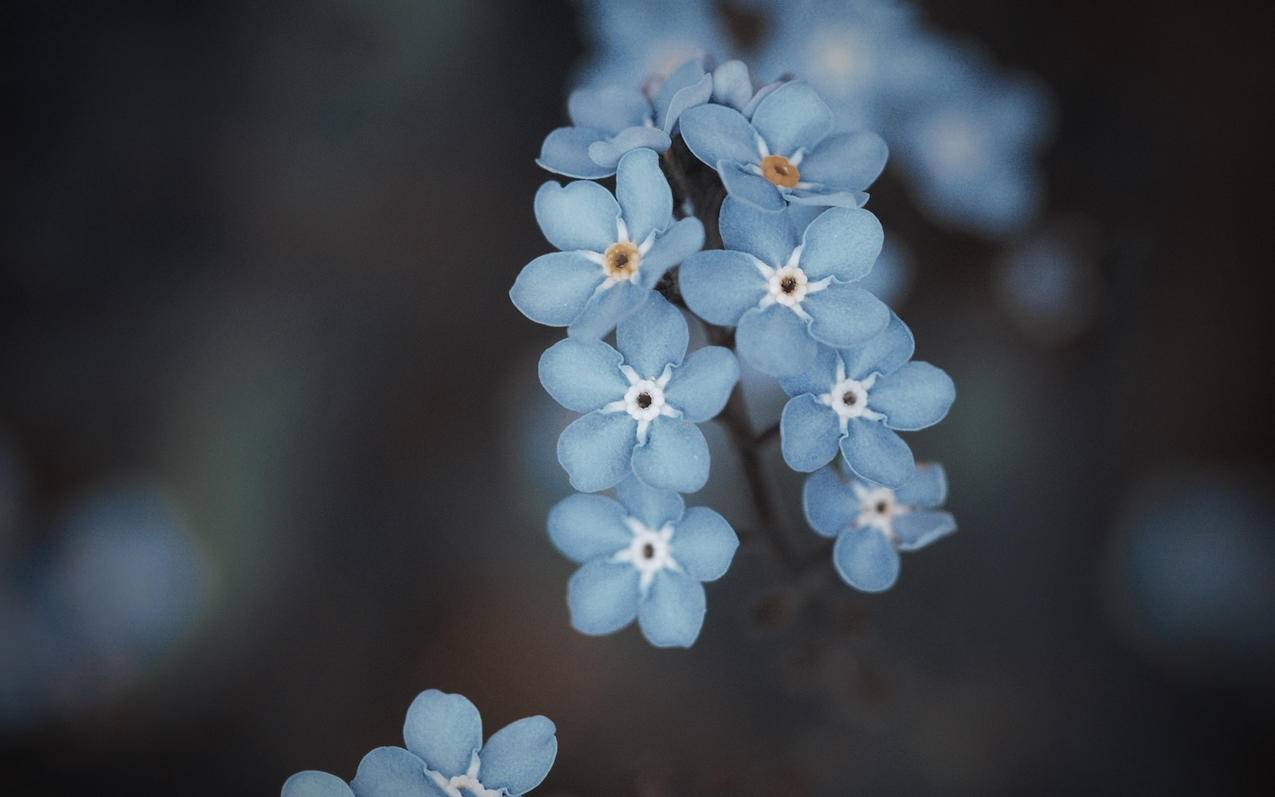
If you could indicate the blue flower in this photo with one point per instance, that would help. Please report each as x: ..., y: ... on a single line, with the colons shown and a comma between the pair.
x: 788, y: 291
x: 784, y: 153
x: 612, y: 253
x: 643, y: 556
x: 651, y: 38
x: 608, y: 122
x: 856, y: 399
x: 445, y: 754
x: 642, y: 402
x: 872, y: 523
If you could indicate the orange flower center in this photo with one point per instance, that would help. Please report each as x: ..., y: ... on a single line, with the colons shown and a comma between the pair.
x: 621, y: 260
x: 779, y: 171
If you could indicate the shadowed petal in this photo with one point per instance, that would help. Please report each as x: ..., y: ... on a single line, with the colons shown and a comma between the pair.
x: 673, y: 612
x: 686, y: 88
x: 603, y: 597
x: 700, y: 386
x: 926, y: 489
x: 519, y: 756
x: 445, y: 730
x: 313, y: 783
x: 792, y: 117
x: 654, y: 336
x: 845, y: 315
x: 809, y: 433
x: 606, y: 308
x: 715, y: 133
x: 775, y: 341
x: 675, y: 456
x: 554, y: 289
x: 817, y: 379
x: 876, y: 453
x: 920, y: 528
x: 882, y: 353
x: 866, y: 560
x: 565, y: 151
x: 828, y: 502
x: 745, y: 186
x: 595, y: 450
x: 586, y: 526
x: 704, y: 544
x: 577, y: 216
x: 916, y: 396
x: 682, y: 239
x: 768, y: 236
x: 608, y: 152
x: 719, y: 285
x: 645, y: 199
x: 649, y: 505
x: 392, y: 771
x: 582, y: 375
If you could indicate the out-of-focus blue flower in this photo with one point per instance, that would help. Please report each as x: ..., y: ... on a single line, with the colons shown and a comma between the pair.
x: 640, y: 39
x: 788, y: 290
x: 612, y: 252
x: 784, y: 152
x: 872, y: 523
x: 608, y: 122
x: 1048, y: 281
x: 445, y: 757
x: 642, y: 402
x: 644, y: 556
x: 855, y: 400
x: 890, y: 280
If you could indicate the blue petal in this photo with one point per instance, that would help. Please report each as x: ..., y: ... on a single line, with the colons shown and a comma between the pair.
x: 586, y: 526
x: 686, y: 88
x: 681, y: 240
x: 745, y: 186
x: 818, y: 197
x: 845, y: 315
x: 608, y: 109
x: 649, y: 505
x: 595, y: 450
x: 732, y: 85
x: 768, y: 236
x: 846, y: 161
x: 608, y: 152
x: 565, y: 151
x: 519, y: 756
x: 393, y: 772
x: 842, y: 243
x: 791, y: 118
x: 926, y: 489
x: 675, y: 456
x: 818, y: 379
x: 720, y: 285
x: 809, y: 432
x: 701, y: 386
x: 554, y: 289
x: 704, y: 544
x: 312, y: 783
x: 445, y: 730
x: 914, y: 397
x: 672, y: 614
x: 577, y: 216
x: 603, y: 597
x: 828, y: 502
x: 876, y: 453
x: 715, y: 133
x: 775, y: 341
x: 606, y: 308
x: 883, y: 353
x: 582, y: 375
x: 762, y: 93
x: 646, y: 203
x: 652, y: 337
x: 866, y: 560
x: 918, y: 529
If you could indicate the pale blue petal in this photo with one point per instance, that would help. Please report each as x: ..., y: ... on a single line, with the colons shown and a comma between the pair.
x: 916, y: 396
x: 608, y: 152
x: 609, y: 109
x: 553, y: 289
x: 762, y: 93
x: 792, y: 117
x: 704, y: 544
x: 654, y: 336
x: 701, y: 386
x: 720, y: 286
x: 603, y: 597
x: 885, y: 352
x: 732, y: 86
x: 828, y: 502
x: 817, y: 197
x: 681, y: 240
x: 715, y: 133
x: 595, y: 450
x: 775, y: 341
x: 768, y: 236
x: 876, y: 453
x: 445, y: 730
x: 686, y: 97
x: 582, y: 375
x: 578, y: 216
x: 866, y: 560
x: 646, y: 203
x: 842, y: 243
x: 920, y: 528
x: 586, y: 526
x: 393, y: 772
x: 685, y: 76
x: 809, y: 432
x: 313, y: 783
x: 672, y: 614
x: 845, y: 315
x: 926, y: 489
x: 818, y: 378
x: 742, y: 184
x: 519, y: 756
x: 846, y: 161
x: 675, y: 456
x: 565, y: 151
x: 606, y: 308
x: 649, y: 505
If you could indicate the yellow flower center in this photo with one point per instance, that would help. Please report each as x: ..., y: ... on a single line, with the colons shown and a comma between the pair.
x: 779, y: 171
x: 621, y: 260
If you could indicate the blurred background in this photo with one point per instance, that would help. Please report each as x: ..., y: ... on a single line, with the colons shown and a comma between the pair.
x: 273, y: 457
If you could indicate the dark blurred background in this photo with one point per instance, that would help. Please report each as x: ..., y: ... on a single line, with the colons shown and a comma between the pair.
x: 273, y: 457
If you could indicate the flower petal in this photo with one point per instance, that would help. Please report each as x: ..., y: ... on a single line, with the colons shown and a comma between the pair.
x: 393, y: 771
x: 586, y: 526
x: 918, y: 529
x: 649, y: 505
x: 828, y: 502
x: 675, y: 456
x: 701, y: 386
x: 578, y: 216
x: 884, y: 352
x: 926, y: 489
x: 609, y: 109
x: 819, y: 378
x: 704, y: 544
x: 582, y: 375
x: 565, y: 151
x: 775, y: 341
x: 916, y: 396
x: 518, y: 756
x: 445, y: 730
x: 682, y: 239
x: 715, y: 133
x: 876, y: 453
x: 686, y: 88
x: 313, y: 783
x: 792, y: 117
x: 823, y: 198
x: 809, y: 432
x: 654, y: 336
x: 732, y: 85
x: 845, y: 315
x: 603, y: 597
x: 866, y: 560
x: 608, y: 152
x: 606, y: 308
x: 846, y: 161
x: 745, y: 186
x: 672, y: 614
x: 842, y: 243
x: 595, y: 449
x: 768, y: 236
x: 762, y: 93
x: 719, y: 285
x: 646, y: 202
x: 553, y: 289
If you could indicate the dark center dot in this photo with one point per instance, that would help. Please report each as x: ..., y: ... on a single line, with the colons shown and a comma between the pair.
x: 644, y: 400
x: 881, y: 507
x: 621, y: 260
x: 849, y: 399
x: 788, y: 284
x: 648, y: 551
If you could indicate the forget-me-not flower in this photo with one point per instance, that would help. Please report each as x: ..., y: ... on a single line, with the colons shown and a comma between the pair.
x: 612, y: 252
x: 856, y: 399
x: 445, y: 757
x: 644, y: 556
x: 872, y: 524
x: 608, y: 122
x: 788, y: 290
x: 634, y: 41
x: 784, y: 153
x: 643, y: 402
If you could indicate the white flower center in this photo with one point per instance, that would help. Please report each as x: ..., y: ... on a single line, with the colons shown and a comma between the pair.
x: 878, y: 507
x: 650, y: 551
x: 469, y: 782
x: 849, y: 398
x: 644, y: 400
x: 788, y: 285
